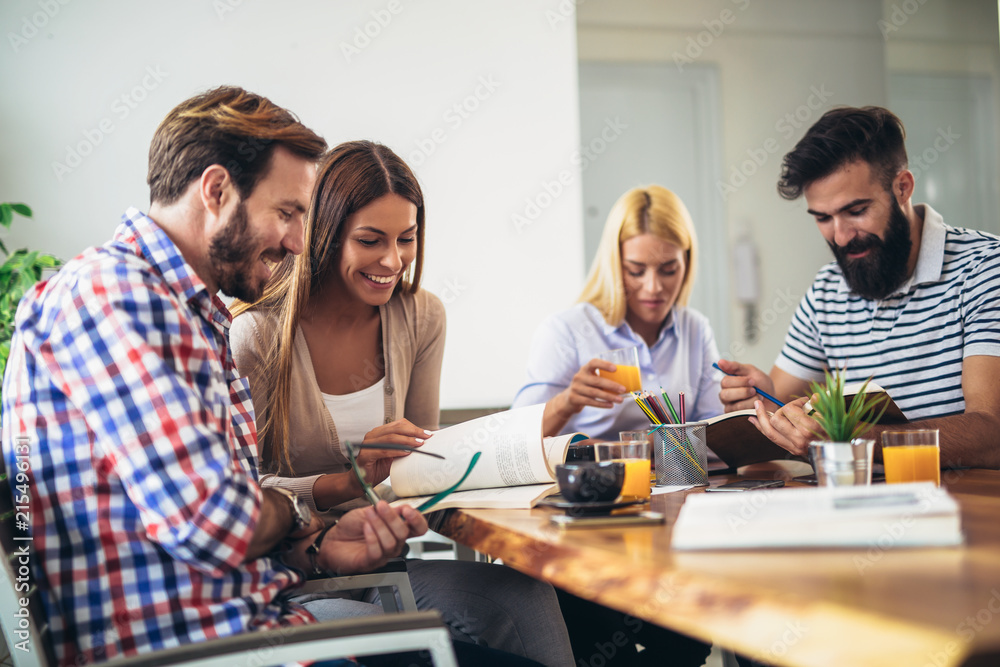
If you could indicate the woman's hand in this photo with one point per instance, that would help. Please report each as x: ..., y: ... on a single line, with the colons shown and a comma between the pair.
x: 332, y: 489
x: 587, y: 388
x: 376, y: 462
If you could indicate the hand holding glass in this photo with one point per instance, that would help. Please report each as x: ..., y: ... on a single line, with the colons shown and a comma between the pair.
x: 627, y: 372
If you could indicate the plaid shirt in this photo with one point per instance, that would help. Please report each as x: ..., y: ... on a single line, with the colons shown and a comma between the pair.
x: 143, y: 455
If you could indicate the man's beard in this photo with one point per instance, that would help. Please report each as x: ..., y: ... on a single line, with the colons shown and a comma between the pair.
x: 234, y: 254
x: 883, y: 269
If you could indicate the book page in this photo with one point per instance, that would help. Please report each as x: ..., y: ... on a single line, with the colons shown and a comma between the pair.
x: 512, y: 454
x: 556, y: 447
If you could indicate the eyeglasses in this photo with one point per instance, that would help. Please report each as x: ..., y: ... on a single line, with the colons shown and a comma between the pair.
x: 370, y: 493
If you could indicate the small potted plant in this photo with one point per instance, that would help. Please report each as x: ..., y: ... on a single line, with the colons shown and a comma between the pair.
x: 840, y: 455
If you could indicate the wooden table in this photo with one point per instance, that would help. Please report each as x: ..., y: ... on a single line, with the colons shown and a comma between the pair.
x: 842, y: 608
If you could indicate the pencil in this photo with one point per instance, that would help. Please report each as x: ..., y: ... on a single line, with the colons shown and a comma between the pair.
x: 670, y: 406
x: 642, y: 406
x: 680, y: 399
x: 657, y: 408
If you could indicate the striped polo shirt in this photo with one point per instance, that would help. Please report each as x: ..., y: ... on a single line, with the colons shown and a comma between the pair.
x: 912, y: 342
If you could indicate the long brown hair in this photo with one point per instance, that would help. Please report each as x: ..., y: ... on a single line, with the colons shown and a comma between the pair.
x: 351, y: 176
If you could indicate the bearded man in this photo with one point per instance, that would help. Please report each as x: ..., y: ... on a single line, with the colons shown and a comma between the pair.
x: 910, y: 301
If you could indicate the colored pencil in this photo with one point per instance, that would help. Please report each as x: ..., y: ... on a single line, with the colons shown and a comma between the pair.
x: 670, y: 406
x: 642, y: 406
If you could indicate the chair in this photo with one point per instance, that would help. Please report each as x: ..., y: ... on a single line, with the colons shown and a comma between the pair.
x: 390, y: 580
x: 29, y: 638
x: 434, y: 541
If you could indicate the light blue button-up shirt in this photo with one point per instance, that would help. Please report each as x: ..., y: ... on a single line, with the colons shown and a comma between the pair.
x: 680, y: 360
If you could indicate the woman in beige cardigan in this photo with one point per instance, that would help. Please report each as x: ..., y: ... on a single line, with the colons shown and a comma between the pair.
x: 344, y: 346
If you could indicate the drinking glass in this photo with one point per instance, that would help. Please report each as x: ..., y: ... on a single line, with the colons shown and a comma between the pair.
x: 641, y: 436
x: 911, y: 456
x: 635, y: 456
x: 627, y: 373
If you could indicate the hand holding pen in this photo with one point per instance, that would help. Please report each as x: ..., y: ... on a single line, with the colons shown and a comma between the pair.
x: 733, y: 393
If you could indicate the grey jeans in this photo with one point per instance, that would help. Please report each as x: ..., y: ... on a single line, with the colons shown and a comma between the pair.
x: 489, y: 605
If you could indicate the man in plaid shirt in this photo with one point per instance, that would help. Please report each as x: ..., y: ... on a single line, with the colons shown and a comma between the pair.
x: 149, y: 528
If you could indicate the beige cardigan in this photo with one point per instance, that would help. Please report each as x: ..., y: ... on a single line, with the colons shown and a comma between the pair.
x: 413, y: 331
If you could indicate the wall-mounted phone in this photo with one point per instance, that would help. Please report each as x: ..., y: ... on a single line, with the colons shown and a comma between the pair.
x: 746, y: 275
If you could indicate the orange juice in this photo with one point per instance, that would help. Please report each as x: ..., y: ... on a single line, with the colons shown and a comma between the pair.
x: 625, y: 375
x: 912, y: 463
x: 636, y: 478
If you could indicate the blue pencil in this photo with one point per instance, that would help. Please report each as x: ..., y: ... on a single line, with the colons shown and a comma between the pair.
x: 756, y: 389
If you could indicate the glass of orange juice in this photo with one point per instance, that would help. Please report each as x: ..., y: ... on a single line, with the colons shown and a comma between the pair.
x: 641, y: 436
x: 911, y: 456
x: 627, y: 373
x: 635, y: 456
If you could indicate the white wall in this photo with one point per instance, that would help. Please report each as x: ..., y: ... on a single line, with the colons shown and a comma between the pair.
x: 943, y: 39
x: 62, y: 80
x: 782, y: 64
x: 481, y: 99
x: 773, y: 56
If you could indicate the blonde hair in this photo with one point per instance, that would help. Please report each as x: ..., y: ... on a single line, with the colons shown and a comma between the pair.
x: 645, y: 210
x: 351, y: 176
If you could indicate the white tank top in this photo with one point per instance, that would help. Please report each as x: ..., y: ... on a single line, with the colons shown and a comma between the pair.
x: 356, y: 414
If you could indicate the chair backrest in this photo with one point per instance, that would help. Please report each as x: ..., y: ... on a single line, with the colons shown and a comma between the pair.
x: 22, y: 614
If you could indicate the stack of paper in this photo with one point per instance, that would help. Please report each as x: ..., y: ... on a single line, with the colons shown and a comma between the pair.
x: 903, y: 515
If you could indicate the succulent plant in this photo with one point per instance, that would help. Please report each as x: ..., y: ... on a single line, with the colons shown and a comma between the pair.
x: 840, y: 421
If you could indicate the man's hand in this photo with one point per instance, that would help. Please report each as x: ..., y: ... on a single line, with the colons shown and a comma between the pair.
x: 737, y: 391
x: 790, y: 427
x: 365, y: 539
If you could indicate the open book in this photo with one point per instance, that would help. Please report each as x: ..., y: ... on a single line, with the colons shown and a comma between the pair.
x: 915, y: 514
x: 738, y: 442
x: 516, y: 467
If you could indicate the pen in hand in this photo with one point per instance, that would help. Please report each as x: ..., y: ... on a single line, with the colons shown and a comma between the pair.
x: 756, y: 389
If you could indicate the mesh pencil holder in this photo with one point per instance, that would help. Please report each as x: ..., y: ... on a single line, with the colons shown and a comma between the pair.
x: 680, y: 454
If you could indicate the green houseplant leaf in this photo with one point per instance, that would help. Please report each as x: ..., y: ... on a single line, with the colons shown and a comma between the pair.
x: 18, y: 274
x: 839, y: 421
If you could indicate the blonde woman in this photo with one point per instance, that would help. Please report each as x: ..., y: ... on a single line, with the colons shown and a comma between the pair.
x: 345, y: 346
x: 636, y: 294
